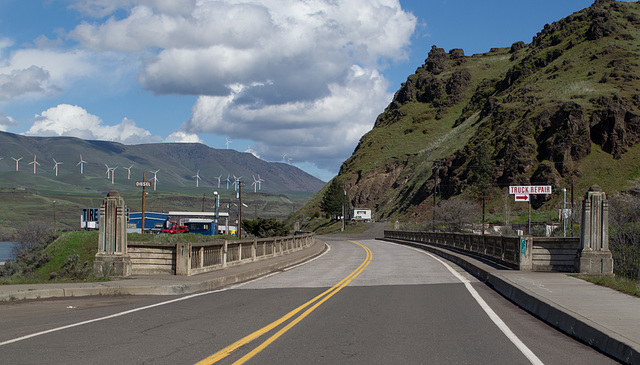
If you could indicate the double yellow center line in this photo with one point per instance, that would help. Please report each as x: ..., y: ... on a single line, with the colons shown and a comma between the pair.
x: 312, y: 304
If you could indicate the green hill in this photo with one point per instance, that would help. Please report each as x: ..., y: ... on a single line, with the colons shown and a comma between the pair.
x: 562, y: 108
x: 27, y: 196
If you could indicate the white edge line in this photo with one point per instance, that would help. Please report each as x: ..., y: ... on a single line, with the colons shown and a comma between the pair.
x: 492, y: 315
x: 109, y: 316
x: 18, y: 339
x: 312, y: 260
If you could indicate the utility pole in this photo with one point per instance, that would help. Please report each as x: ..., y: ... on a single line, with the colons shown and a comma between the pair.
x: 571, y: 228
x: 54, y: 215
x: 240, y: 210
x: 435, y: 169
x: 144, y: 194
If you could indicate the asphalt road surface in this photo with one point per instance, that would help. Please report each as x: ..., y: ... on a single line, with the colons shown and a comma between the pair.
x: 362, y: 302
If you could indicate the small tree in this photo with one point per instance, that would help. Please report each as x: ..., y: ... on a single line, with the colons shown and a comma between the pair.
x: 265, y: 227
x: 454, y: 214
x: 333, y: 199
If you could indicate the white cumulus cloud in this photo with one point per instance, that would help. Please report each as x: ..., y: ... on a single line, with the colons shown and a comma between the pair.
x: 324, y: 130
x: 72, y: 120
x: 297, y: 77
x: 6, y: 122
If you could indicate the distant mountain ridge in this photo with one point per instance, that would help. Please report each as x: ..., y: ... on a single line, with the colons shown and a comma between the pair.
x: 564, y: 108
x: 178, y: 164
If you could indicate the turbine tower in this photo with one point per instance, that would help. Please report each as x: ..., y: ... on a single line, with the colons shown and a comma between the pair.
x: 155, y: 178
x: 128, y: 172
x: 197, y: 176
x: 17, y: 163
x: 55, y: 167
x: 113, y: 173
x: 34, y: 163
x: 81, y: 163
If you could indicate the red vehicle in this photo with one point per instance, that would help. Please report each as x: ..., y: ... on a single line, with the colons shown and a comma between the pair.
x: 175, y: 228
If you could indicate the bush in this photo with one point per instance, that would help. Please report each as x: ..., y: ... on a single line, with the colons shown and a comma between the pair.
x: 29, y: 251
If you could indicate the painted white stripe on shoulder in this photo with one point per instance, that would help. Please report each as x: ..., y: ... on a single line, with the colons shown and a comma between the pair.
x: 492, y: 315
x: 108, y: 317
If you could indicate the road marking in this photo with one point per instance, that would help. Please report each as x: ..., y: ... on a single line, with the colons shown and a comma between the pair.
x: 492, y: 315
x: 318, y: 300
x: 115, y: 315
x: 108, y: 317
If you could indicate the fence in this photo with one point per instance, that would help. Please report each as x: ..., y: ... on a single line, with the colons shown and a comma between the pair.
x: 187, y: 258
x: 523, y: 253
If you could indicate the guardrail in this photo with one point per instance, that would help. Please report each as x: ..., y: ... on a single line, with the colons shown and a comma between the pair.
x: 191, y: 258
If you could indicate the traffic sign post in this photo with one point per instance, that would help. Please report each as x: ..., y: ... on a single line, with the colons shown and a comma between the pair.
x: 143, y: 184
x: 522, y: 193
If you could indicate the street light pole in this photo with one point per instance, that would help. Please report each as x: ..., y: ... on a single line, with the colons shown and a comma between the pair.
x: 217, y: 204
x: 564, y: 212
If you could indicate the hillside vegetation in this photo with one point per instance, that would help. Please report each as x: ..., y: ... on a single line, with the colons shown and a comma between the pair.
x: 563, y: 108
x: 26, y: 196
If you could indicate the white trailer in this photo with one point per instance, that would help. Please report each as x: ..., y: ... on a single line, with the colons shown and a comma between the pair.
x: 361, y: 215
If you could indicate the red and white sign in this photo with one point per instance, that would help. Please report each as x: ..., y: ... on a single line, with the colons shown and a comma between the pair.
x: 521, y: 197
x: 530, y: 189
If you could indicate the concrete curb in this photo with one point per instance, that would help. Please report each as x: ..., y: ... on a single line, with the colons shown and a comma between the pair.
x: 113, y: 287
x: 563, y: 319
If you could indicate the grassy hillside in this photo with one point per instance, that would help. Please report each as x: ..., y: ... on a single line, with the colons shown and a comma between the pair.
x: 562, y: 109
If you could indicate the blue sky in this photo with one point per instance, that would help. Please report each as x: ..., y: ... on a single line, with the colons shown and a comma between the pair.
x: 305, y: 79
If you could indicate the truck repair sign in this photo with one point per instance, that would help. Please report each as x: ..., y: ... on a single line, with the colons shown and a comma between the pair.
x: 530, y: 189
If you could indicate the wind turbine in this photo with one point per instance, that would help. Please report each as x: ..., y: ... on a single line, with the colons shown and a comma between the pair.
x: 197, y: 176
x: 289, y: 159
x: 155, y: 178
x: 228, y: 142
x: 219, y: 181
x: 108, y: 172
x: 128, y: 172
x: 17, y: 163
x: 81, y: 163
x: 236, y: 182
x: 34, y: 163
x: 255, y: 184
x: 284, y: 157
x: 228, y: 181
x: 260, y: 181
x: 55, y: 167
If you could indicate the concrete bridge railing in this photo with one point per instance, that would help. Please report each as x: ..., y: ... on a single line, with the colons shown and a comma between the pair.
x: 187, y: 258
x: 521, y: 253
x: 513, y: 252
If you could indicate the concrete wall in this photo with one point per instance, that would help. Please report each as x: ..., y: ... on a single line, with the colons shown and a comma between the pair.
x: 150, y: 259
x: 555, y: 253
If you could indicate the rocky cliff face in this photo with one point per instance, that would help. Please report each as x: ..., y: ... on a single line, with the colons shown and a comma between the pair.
x: 541, y: 113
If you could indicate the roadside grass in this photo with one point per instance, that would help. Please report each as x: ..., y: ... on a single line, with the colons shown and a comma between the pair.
x: 618, y: 283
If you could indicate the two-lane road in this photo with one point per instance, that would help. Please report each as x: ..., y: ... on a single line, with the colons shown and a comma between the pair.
x: 362, y: 302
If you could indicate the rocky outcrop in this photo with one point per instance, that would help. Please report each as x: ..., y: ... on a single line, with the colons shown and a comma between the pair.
x: 613, y: 126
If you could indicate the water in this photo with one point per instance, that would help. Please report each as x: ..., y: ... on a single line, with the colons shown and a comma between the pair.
x: 5, y: 250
